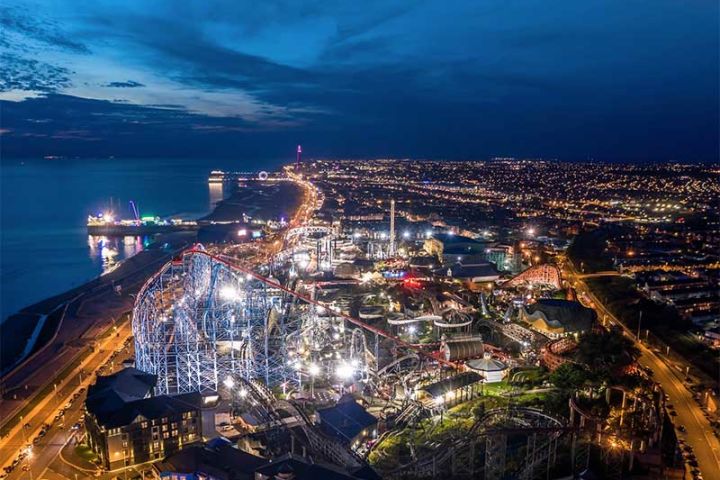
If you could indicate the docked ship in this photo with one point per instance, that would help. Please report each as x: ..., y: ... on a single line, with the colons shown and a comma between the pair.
x: 107, y: 225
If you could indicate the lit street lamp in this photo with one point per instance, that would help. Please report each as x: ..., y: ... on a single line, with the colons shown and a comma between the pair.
x: 314, y: 371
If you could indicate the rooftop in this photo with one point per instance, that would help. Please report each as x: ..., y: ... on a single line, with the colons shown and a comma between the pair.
x: 217, y: 459
x: 112, y: 392
x: 451, y: 384
x: 572, y: 316
x: 347, y: 419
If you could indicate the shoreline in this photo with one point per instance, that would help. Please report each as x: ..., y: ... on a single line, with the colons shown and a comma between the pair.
x: 18, y: 329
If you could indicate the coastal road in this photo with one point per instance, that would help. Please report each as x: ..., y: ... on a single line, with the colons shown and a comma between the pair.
x: 699, y: 434
x: 46, y: 409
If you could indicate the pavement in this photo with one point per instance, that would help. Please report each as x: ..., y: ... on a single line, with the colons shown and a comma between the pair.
x: 699, y: 433
x: 45, y: 452
x: 88, y: 315
x: 91, y: 309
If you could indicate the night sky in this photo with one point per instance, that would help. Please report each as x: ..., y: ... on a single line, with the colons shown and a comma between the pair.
x: 623, y: 80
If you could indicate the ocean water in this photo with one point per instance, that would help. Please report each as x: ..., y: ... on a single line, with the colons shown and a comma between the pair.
x: 44, y: 246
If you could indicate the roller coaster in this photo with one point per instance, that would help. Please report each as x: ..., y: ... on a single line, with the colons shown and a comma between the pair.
x: 508, y: 442
x: 203, y: 319
x: 544, y: 274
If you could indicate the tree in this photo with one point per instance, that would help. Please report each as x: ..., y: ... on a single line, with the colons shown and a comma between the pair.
x: 605, y: 352
x: 570, y: 376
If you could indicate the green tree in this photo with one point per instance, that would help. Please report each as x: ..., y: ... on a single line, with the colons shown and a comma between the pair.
x: 607, y: 351
x: 570, y: 376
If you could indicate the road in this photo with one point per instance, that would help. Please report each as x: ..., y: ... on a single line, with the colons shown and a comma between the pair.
x: 47, y: 449
x: 45, y: 460
x: 91, y: 309
x: 699, y: 434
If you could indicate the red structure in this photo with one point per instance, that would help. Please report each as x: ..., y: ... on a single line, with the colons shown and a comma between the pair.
x: 544, y: 274
x: 555, y: 354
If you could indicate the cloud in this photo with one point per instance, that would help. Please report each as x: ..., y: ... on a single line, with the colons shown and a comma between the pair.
x: 18, y: 73
x: 32, y: 25
x: 126, y: 84
x: 382, y: 76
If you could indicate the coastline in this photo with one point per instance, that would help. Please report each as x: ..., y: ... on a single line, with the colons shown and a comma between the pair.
x: 19, y: 329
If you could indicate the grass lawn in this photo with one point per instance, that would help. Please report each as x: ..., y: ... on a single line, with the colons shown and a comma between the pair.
x: 86, y: 453
x: 496, y: 389
x: 528, y: 375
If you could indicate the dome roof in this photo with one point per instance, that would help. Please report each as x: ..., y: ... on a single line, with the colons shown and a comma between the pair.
x: 486, y: 364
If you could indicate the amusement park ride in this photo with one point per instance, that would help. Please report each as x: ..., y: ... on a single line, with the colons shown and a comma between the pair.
x: 205, y: 322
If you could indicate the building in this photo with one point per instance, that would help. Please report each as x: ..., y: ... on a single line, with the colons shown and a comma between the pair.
x: 557, y: 318
x: 218, y: 459
x: 474, y: 276
x: 491, y: 369
x: 462, y: 348
x: 348, y: 421
x: 295, y: 467
x: 425, y: 262
x: 128, y: 426
x: 498, y: 256
x: 450, y: 391
x: 451, y: 248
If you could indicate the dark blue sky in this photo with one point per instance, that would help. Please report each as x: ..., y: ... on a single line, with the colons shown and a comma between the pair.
x: 610, y: 79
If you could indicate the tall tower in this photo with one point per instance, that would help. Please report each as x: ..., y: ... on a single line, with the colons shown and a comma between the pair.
x: 298, y: 160
x: 391, y: 251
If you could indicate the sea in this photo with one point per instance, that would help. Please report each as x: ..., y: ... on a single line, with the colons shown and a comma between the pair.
x: 44, y: 204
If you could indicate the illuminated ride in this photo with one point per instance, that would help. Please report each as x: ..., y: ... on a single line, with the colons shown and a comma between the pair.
x: 508, y: 442
x: 542, y: 275
x: 203, y: 322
